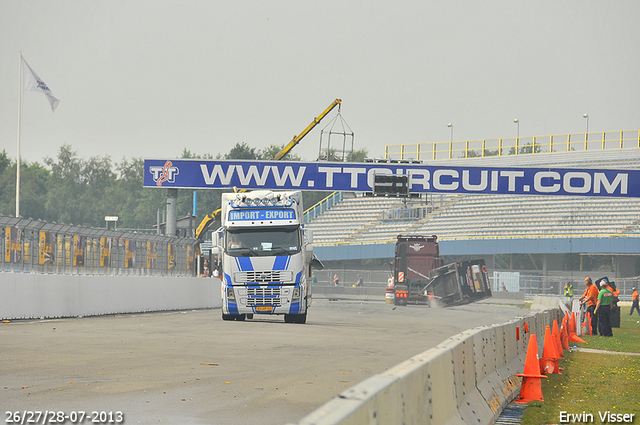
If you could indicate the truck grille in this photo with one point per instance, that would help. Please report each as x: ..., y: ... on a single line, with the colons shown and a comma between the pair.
x: 263, y: 296
x: 264, y: 276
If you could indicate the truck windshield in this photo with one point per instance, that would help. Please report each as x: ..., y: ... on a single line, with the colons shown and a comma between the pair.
x: 262, y: 241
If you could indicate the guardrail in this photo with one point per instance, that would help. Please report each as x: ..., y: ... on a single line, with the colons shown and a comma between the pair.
x: 593, y: 141
x: 469, y: 378
x: 35, y: 246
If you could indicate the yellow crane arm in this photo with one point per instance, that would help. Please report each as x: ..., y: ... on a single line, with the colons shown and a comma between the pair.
x: 296, y: 139
x: 206, y: 222
x: 209, y: 219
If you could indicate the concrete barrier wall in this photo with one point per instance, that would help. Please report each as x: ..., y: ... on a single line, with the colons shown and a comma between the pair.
x: 541, y: 303
x: 27, y: 296
x: 468, y: 379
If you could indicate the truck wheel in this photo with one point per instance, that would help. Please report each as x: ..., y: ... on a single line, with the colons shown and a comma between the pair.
x: 301, y: 318
x: 227, y: 317
x: 295, y: 318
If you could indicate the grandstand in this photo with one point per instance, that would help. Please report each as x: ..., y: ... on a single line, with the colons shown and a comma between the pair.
x: 359, y: 219
x: 348, y: 218
x: 560, y: 232
x: 357, y: 227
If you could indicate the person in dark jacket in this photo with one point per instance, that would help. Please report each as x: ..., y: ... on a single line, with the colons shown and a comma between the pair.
x: 603, y: 309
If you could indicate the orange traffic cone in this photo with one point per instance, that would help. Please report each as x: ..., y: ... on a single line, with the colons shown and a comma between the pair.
x: 564, y: 336
x: 531, y: 388
x: 555, y: 333
x: 549, y: 361
x: 573, y: 336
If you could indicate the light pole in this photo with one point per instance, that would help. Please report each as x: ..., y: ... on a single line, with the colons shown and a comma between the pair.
x: 450, y: 125
x: 517, y: 121
x: 586, y: 116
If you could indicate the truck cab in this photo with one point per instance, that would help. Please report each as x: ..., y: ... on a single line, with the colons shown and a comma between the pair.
x: 415, y: 257
x: 265, y: 256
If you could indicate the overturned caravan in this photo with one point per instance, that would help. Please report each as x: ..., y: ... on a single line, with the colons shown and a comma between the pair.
x: 420, y: 279
x: 459, y: 283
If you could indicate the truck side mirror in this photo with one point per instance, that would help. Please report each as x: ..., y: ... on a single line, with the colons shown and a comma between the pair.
x: 217, y: 238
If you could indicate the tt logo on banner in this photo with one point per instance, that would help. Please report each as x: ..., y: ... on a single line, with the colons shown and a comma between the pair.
x: 166, y: 173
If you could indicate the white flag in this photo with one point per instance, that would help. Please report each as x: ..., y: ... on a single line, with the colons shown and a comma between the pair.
x: 31, y: 82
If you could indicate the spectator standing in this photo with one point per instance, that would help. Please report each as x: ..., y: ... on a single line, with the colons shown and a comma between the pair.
x: 603, y: 309
x: 336, y: 280
x: 634, y: 301
x: 314, y: 279
x: 590, y: 298
x: 568, y: 290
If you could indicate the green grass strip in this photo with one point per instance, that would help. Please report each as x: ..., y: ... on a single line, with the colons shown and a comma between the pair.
x: 594, y: 383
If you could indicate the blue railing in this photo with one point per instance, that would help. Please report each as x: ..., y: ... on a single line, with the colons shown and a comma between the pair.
x: 322, y: 206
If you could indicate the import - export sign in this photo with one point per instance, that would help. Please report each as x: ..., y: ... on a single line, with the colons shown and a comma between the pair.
x: 359, y: 177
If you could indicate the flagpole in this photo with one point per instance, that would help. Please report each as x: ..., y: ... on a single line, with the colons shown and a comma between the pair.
x: 18, y: 150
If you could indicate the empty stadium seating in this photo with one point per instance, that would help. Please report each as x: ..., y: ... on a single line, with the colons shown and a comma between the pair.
x: 364, y: 220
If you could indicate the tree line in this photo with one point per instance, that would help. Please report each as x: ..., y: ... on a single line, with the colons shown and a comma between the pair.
x: 72, y: 190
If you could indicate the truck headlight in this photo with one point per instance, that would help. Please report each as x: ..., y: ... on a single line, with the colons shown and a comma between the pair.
x: 230, y: 295
x: 296, y: 294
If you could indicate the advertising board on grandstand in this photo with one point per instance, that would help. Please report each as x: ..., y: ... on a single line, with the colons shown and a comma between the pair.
x: 360, y: 177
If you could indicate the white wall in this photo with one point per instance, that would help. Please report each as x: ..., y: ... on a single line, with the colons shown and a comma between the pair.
x: 25, y: 296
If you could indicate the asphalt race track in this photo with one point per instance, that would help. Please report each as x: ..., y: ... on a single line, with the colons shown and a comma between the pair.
x: 191, y: 367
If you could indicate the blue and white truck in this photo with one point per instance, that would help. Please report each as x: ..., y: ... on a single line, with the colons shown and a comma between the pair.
x: 265, y: 255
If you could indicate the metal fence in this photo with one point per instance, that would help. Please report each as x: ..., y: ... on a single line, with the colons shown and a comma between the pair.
x: 529, y: 283
x: 535, y: 284
x: 371, y: 278
x: 35, y: 246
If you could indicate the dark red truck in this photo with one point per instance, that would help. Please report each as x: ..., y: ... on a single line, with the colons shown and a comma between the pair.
x: 420, y: 279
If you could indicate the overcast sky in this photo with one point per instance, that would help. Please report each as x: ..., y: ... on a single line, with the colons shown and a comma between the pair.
x: 150, y: 78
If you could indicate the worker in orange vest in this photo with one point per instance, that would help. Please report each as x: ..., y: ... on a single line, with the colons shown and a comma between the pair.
x: 634, y: 302
x: 590, y: 298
